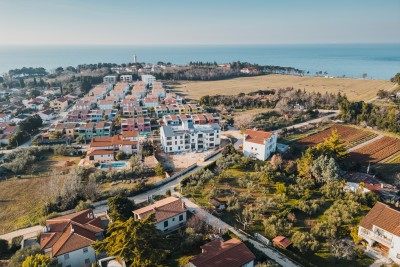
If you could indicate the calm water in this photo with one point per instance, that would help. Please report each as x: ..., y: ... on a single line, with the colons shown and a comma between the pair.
x: 379, y: 61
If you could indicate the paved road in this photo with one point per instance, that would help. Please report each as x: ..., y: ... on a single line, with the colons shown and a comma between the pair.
x: 224, y: 227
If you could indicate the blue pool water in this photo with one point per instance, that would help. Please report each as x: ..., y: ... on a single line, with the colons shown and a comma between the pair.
x: 113, y: 165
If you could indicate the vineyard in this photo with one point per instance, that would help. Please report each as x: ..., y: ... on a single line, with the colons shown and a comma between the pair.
x: 350, y: 135
x: 377, y: 151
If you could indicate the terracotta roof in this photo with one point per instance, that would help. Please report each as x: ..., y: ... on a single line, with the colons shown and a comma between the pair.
x: 384, y: 217
x: 101, y: 152
x: 257, y: 137
x: 71, y: 232
x: 163, y: 209
x: 129, y: 134
x: 282, y: 241
x: 232, y: 253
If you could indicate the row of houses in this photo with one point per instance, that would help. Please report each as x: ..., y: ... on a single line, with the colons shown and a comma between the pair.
x: 87, y: 130
x: 205, y: 118
x: 68, y: 239
x: 93, y: 115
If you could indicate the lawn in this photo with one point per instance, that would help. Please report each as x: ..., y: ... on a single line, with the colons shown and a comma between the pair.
x: 355, y: 89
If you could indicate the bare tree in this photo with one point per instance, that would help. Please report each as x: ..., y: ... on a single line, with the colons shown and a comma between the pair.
x: 243, y: 121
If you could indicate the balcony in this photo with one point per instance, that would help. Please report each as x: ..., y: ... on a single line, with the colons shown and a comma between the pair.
x: 378, y: 238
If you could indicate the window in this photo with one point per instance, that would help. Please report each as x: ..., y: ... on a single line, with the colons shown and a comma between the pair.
x: 85, y: 250
x: 165, y: 224
x: 87, y: 261
x: 173, y: 219
x: 181, y: 217
x: 66, y: 256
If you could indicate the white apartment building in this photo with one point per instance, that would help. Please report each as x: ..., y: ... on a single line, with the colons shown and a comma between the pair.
x: 380, y: 229
x: 110, y: 79
x: 189, y: 137
x: 125, y: 78
x: 148, y: 79
x: 259, y: 144
x: 169, y: 213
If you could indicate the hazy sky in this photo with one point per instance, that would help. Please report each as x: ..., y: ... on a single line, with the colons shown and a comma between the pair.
x: 122, y: 22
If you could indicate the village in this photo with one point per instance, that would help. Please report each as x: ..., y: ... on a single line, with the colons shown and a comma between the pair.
x: 210, y: 179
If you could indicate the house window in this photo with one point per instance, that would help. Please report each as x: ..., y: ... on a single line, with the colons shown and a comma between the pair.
x: 85, y: 250
x: 87, y: 261
x: 173, y: 219
x: 181, y: 217
x: 165, y: 224
x: 66, y: 256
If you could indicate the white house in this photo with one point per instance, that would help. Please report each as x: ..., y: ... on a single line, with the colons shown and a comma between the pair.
x: 188, y: 137
x: 105, y: 104
x: 148, y: 79
x: 126, y: 78
x: 46, y: 115
x: 5, y: 117
x: 69, y: 238
x: 232, y: 253
x: 169, y: 213
x: 110, y: 79
x: 380, y: 229
x: 259, y: 144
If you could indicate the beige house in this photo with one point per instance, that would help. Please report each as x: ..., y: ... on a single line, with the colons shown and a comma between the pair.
x: 59, y: 104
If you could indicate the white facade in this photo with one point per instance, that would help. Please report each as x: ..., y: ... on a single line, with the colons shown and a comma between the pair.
x: 110, y: 79
x: 189, y: 137
x: 80, y: 257
x: 148, y: 79
x: 172, y: 223
x: 5, y: 117
x: 261, y: 151
x: 126, y: 78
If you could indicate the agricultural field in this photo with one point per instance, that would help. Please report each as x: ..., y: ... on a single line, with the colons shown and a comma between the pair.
x: 350, y: 135
x: 377, y: 150
x: 355, y: 89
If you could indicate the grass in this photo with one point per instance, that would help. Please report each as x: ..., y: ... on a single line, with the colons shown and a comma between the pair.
x: 355, y: 89
x: 21, y: 199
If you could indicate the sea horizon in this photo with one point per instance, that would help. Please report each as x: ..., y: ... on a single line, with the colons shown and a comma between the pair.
x: 378, y: 60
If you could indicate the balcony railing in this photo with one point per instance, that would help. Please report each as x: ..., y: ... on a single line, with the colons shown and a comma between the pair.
x: 377, y: 238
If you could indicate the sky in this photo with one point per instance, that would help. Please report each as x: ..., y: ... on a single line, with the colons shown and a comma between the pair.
x: 161, y: 22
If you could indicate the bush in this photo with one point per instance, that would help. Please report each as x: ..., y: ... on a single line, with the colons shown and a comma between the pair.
x: 3, y: 247
x: 120, y: 156
x: 16, y: 242
x: 19, y: 257
x: 159, y: 170
x: 84, y: 205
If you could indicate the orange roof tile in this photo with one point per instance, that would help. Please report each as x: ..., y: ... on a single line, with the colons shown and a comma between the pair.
x: 257, y: 137
x: 384, y: 217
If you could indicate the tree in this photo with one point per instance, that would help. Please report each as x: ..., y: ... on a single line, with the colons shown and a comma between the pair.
x: 147, y: 149
x: 3, y: 246
x: 325, y: 170
x: 20, y: 255
x: 37, y: 260
x: 159, y: 170
x: 120, y: 208
x: 342, y: 249
x: 120, y: 155
x: 137, y: 166
x: 333, y: 147
x: 18, y: 138
x: 276, y: 161
x: 243, y: 121
x: 84, y: 205
x: 81, y: 139
x: 138, y: 243
x: 382, y: 94
x: 56, y: 135
x: 305, y: 242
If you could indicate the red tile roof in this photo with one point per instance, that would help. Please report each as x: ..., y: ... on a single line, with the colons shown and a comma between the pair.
x: 71, y: 232
x: 163, y: 209
x: 384, y: 217
x: 232, y: 253
x: 257, y: 137
x: 282, y: 241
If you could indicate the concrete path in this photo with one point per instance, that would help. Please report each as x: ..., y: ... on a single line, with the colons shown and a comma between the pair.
x: 26, y: 233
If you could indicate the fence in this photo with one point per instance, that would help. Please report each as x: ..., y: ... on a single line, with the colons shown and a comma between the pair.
x: 262, y: 239
x: 212, y: 154
x: 173, y: 177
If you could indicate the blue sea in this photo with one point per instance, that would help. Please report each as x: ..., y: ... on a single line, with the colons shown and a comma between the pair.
x: 379, y: 61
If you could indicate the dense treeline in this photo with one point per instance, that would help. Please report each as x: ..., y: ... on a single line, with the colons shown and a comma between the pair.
x: 367, y: 114
x: 27, y: 72
x: 396, y: 78
x: 283, y: 99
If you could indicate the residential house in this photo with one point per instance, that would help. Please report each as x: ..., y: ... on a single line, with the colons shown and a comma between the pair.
x: 110, y: 79
x: 143, y: 125
x: 150, y: 101
x: 125, y: 78
x: 60, y: 104
x: 159, y: 91
x: 83, y: 105
x: 161, y: 111
x: 5, y: 117
x: 6, y: 131
x: 128, y: 112
x: 148, y: 79
x: 199, y: 119
x: 96, y: 115
x: 46, y: 115
x: 259, y: 144
x: 188, y: 137
x: 219, y: 253
x: 128, y: 124
x: 380, y: 230
x: 68, y: 238
x: 169, y: 214
x: 105, y: 104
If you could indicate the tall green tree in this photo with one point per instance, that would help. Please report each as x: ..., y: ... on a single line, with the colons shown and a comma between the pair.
x: 138, y: 243
x: 120, y: 208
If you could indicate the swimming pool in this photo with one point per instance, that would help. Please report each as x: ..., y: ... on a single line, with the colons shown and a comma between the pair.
x: 114, y: 164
